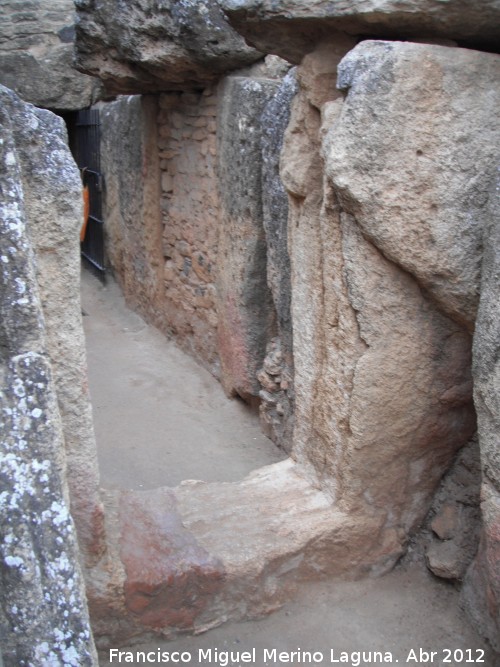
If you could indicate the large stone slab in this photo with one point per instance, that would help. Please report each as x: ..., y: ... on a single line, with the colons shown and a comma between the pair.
x: 193, y: 557
x: 276, y: 375
x: 292, y: 28
x: 482, y: 591
x: 383, y: 382
x: 146, y: 46
x: 36, y: 55
x: 53, y: 204
x: 245, y: 308
x: 129, y: 160
x: 413, y: 156
x: 43, y: 613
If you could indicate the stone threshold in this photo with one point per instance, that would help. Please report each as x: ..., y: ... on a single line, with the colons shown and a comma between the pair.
x: 187, y: 559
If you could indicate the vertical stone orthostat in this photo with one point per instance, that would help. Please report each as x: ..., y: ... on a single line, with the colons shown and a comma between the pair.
x: 43, y: 612
x: 246, y: 319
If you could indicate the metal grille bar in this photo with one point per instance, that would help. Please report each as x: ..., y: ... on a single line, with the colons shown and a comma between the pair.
x: 87, y: 156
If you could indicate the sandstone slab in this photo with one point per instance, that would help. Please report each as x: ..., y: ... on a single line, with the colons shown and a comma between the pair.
x: 36, y: 55
x: 129, y: 160
x: 146, y: 46
x: 413, y: 160
x: 245, y: 309
x: 486, y: 370
x: 383, y: 382
x: 43, y: 612
x: 292, y: 28
x: 193, y: 557
x: 482, y: 592
x: 170, y: 578
x: 276, y: 376
x: 53, y: 202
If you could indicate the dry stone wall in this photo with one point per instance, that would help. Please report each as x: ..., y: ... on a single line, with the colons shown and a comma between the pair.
x: 170, y: 163
x: 190, y: 213
x: 36, y: 55
x: 45, y: 406
x: 158, y: 155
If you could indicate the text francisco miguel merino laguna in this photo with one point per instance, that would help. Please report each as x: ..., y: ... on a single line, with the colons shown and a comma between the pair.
x: 271, y: 655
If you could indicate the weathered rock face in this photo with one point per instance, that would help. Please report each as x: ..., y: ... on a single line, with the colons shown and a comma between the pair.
x: 129, y: 161
x: 292, y: 28
x: 43, y: 614
x: 52, y: 198
x: 382, y: 358
x: 449, y: 538
x: 276, y: 375
x: 163, y: 210
x: 193, y: 557
x: 483, y: 587
x: 36, y: 55
x: 245, y: 309
x: 149, y: 46
x: 428, y: 223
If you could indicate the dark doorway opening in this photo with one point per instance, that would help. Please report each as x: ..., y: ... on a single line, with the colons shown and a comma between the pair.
x: 84, y: 140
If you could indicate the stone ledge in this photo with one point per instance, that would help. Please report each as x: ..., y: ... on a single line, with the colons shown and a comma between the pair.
x: 293, y: 28
x: 193, y: 557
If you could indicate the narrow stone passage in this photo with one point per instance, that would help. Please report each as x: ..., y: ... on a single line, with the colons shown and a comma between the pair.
x: 159, y: 417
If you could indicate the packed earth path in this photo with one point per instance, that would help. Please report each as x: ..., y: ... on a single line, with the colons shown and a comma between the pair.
x: 161, y: 419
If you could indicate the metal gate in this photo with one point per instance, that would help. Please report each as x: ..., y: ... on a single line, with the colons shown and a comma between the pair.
x: 86, y: 151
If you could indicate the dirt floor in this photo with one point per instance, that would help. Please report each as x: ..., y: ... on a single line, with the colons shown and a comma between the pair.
x: 159, y: 419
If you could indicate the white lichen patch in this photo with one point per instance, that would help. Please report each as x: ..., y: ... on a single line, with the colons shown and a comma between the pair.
x: 42, y: 594
x: 13, y: 561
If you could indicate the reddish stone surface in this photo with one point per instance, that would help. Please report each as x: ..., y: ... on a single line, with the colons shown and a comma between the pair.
x: 169, y: 577
x: 482, y: 588
x: 490, y: 553
x: 234, y: 351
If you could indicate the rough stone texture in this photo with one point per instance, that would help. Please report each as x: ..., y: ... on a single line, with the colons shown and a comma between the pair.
x: 383, y: 386
x: 190, y: 215
x: 53, y: 201
x: 276, y: 375
x: 146, y: 46
x: 43, y: 614
x: 163, y: 213
x: 170, y: 578
x: 482, y: 584
x: 449, y: 537
x: 427, y: 221
x: 245, y: 309
x: 158, y: 157
x: 237, y: 549
x: 130, y: 164
x: 482, y: 592
x: 276, y: 395
x: 292, y: 28
x: 36, y: 55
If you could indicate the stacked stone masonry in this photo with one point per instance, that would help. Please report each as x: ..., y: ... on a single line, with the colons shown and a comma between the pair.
x: 190, y: 211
